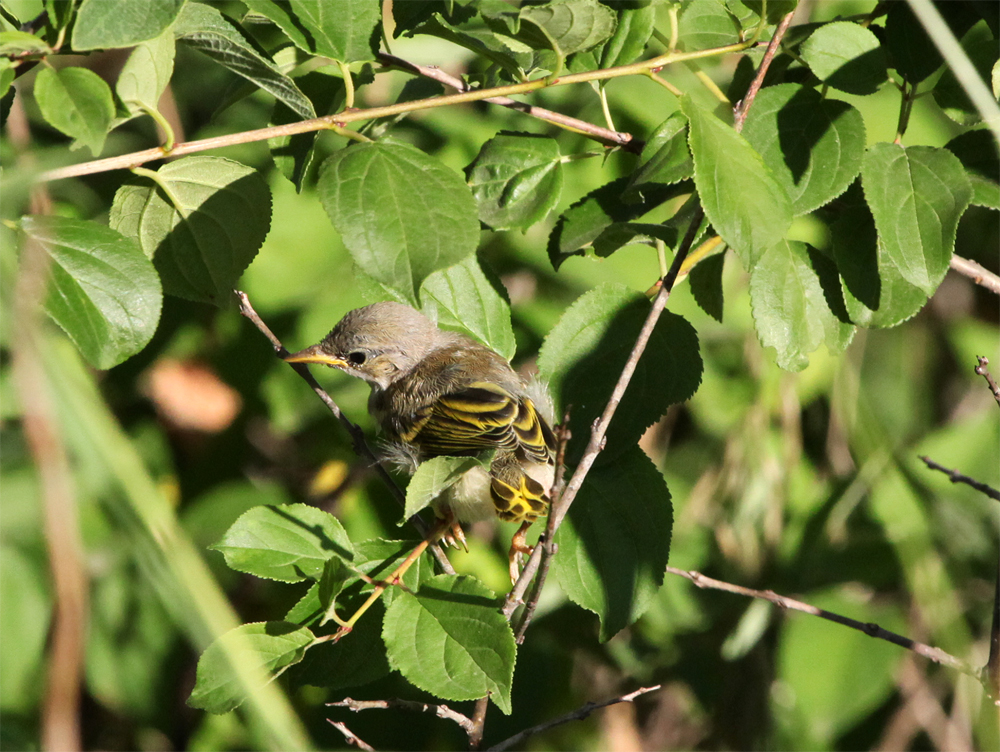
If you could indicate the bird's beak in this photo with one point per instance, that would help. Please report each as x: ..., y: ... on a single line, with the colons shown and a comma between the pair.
x: 315, y: 354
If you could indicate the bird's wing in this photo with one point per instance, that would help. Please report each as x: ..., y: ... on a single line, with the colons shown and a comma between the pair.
x: 480, y: 416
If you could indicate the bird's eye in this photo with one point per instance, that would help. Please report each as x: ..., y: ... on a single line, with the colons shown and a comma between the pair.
x: 357, y: 358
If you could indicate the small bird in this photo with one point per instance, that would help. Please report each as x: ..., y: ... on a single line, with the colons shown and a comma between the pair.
x: 442, y: 393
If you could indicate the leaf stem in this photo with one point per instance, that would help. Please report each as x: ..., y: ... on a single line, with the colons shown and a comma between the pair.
x: 345, y: 71
x: 163, y: 186
x: 168, y: 131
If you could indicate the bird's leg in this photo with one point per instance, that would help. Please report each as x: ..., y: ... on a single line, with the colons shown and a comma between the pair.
x: 518, y: 546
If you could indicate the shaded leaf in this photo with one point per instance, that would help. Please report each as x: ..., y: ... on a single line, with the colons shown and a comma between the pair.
x: 632, y: 31
x: 451, y: 640
x: 344, y: 30
x: 911, y: 51
x: 845, y: 56
x: 432, y: 478
x: 615, y: 541
x: 706, y: 285
x: 289, y: 543
x: 293, y: 155
x: 665, y: 158
x: 104, y: 292
x: 977, y: 151
x: 102, y: 24
x: 568, y: 25
x: 949, y: 94
x: 750, y: 221
x: 704, y: 24
x: 147, y: 73
x: 402, y: 214
x: 202, y: 243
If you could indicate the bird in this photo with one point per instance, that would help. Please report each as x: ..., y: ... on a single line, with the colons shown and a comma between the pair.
x: 441, y: 393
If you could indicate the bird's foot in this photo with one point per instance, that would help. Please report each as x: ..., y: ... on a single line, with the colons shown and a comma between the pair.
x: 518, y: 549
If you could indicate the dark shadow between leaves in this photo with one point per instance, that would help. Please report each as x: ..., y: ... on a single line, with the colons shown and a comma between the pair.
x: 799, y: 135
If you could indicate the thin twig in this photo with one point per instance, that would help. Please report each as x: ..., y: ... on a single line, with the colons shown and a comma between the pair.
x: 355, y: 431
x: 134, y: 159
x: 441, y: 711
x: 956, y: 477
x: 872, y: 630
x: 743, y: 108
x: 478, y: 722
x: 577, y: 715
x: 351, y: 737
x: 605, y: 136
x: 983, y: 371
x: 976, y: 272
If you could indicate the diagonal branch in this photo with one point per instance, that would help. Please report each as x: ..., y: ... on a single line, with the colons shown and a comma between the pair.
x: 976, y: 272
x: 956, y: 477
x: 357, y: 435
x: 351, y: 737
x: 441, y: 711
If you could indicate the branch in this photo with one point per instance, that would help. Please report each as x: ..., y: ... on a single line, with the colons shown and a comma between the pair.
x: 983, y: 371
x: 441, y: 711
x: 605, y: 136
x: 577, y: 715
x: 872, y: 630
x: 340, y: 119
x: 743, y: 108
x: 956, y: 477
x: 360, y: 444
x: 976, y: 272
x: 351, y: 737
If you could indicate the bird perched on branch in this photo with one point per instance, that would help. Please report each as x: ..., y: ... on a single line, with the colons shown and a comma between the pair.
x: 442, y: 393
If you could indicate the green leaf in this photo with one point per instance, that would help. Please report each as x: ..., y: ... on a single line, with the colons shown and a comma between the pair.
x: 344, y: 31
x: 77, y: 102
x: 814, y: 146
x: 775, y: 8
x: 705, y: 24
x: 845, y: 56
x: 289, y: 543
x: 516, y: 179
x: 104, y: 292
x: 706, y: 285
x: 725, y: 165
x: 13, y: 43
x: 917, y: 195
x: 875, y: 293
x: 6, y: 93
x: 463, y: 297
x: 584, y: 354
x: 402, y: 214
x: 208, y: 31
x: 568, y: 25
x: 580, y: 225
x: 202, y: 222
x: 977, y: 151
x: 147, y: 73
x: 432, y: 478
x: 25, y: 611
x: 451, y: 640
x: 103, y: 24
x: 949, y: 94
x: 614, y: 544
x: 665, y: 158
x: 268, y: 646
x: 507, y: 52
x: 912, y: 53
x: 280, y: 12
x: 622, y: 234
x: 293, y: 155
x: 789, y: 309
x: 634, y: 27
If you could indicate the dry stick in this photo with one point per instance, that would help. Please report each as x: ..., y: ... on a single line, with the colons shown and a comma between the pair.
x: 956, y: 477
x: 340, y: 119
x: 357, y: 435
x: 441, y: 711
x: 983, y: 371
x: 872, y: 630
x: 976, y: 272
x: 743, y: 108
x: 576, y: 715
x: 605, y: 136
x: 350, y: 736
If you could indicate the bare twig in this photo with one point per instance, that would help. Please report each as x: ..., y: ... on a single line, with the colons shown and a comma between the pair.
x: 441, y: 711
x: 577, y: 715
x: 872, y: 630
x: 340, y: 119
x: 351, y: 737
x: 357, y: 435
x: 605, y: 136
x: 976, y: 272
x: 743, y: 108
x: 956, y: 477
x: 478, y: 722
x: 983, y: 371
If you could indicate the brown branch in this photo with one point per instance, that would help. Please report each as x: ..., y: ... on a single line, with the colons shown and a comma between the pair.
x: 340, y: 119
x: 872, y: 630
x: 441, y: 711
x: 605, y: 136
x: 478, y: 722
x: 976, y: 272
x: 360, y: 444
x: 743, y: 108
x: 351, y: 737
x: 983, y: 371
x: 577, y: 715
x: 956, y: 477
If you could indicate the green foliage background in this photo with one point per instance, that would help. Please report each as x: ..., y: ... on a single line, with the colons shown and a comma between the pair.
x: 802, y: 481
